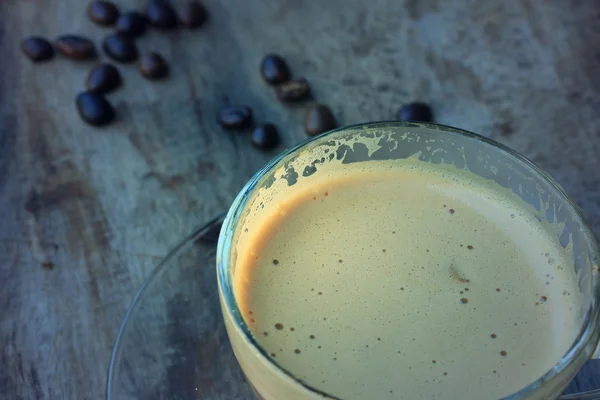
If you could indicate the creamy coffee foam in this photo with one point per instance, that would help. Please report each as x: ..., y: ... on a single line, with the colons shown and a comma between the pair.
x: 407, y: 280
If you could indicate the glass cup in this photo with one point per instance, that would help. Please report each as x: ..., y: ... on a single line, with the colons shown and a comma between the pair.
x: 429, y: 143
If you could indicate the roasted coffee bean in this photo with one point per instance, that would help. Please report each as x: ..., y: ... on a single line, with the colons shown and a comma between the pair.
x: 420, y: 112
x: 103, y: 12
x: 265, y: 136
x: 94, y: 109
x: 120, y: 48
x: 294, y: 90
x: 75, y: 47
x: 191, y: 14
x: 153, y: 66
x: 235, y: 117
x: 161, y: 15
x: 37, y: 49
x: 274, y: 70
x: 318, y: 119
x: 103, y: 78
x: 132, y: 24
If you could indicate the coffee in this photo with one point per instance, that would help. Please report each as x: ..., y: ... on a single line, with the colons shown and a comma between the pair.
x: 103, y: 78
x: 37, y: 49
x: 416, y: 112
x: 75, y: 47
x: 161, y: 15
x: 404, y: 279
x: 235, y: 117
x: 153, y: 66
x: 265, y: 136
x: 103, y: 12
x: 132, y: 24
x: 191, y: 14
x: 120, y: 48
x: 94, y: 109
x: 318, y: 119
x: 275, y: 70
x: 293, y: 90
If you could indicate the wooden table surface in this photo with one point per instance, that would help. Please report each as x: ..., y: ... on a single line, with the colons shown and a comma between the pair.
x: 102, y: 206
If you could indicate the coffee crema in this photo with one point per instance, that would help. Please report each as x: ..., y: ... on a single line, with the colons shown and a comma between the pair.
x: 408, y: 280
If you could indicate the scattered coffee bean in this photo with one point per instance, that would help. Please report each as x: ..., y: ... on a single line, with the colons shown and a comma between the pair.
x: 420, y: 112
x: 294, y: 90
x: 161, y: 15
x: 94, y: 109
x: 318, y: 119
x: 37, y: 49
x: 48, y: 265
x: 153, y: 66
x: 265, y: 136
x: 103, y: 12
x: 235, y: 117
x: 103, y: 78
x: 132, y: 24
x: 120, y: 48
x: 274, y: 70
x: 192, y: 14
x: 75, y: 47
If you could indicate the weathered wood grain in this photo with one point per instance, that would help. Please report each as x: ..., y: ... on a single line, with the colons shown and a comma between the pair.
x: 103, y: 205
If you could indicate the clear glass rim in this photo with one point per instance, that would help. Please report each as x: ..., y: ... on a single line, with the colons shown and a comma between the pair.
x: 140, y: 295
x: 591, y: 320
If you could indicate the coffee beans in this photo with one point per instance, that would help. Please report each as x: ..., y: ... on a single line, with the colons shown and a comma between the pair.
x: 94, y: 109
x: 161, y: 15
x: 265, y: 136
x: 274, y: 70
x: 318, y: 119
x: 103, y: 12
x: 191, y: 14
x: 417, y: 111
x: 235, y: 117
x: 75, y: 47
x: 120, y: 48
x: 153, y: 66
x: 293, y: 91
x: 132, y: 24
x: 37, y: 49
x: 103, y: 78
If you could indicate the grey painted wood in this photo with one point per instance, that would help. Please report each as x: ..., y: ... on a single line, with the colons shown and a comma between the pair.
x: 103, y: 205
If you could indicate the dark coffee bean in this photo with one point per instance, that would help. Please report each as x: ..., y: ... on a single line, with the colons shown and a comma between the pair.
x: 274, y: 70
x: 265, y: 136
x: 153, y: 66
x: 161, y: 15
x: 120, y: 48
x: 294, y: 90
x: 103, y: 78
x: 37, y: 49
x: 416, y: 112
x: 192, y: 14
x: 103, y: 12
x: 94, y: 109
x: 318, y: 119
x: 132, y: 24
x: 75, y: 47
x: 235, y: 117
